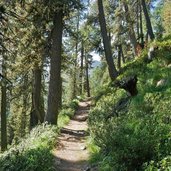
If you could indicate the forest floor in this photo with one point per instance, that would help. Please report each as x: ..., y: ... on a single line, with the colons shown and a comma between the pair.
x: 71, y: 153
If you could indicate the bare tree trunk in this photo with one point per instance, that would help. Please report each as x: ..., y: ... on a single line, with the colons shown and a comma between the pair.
x: 87, y: 79
x: 55, y: 70
x: 141, y: 28
x: 24, y: 107
x: 4, y: 110
x: 37, y: 113
x: 119, y: 57
x: 122, y: 54
x: 75, y: 73
x: 106, y: 42
x: 138, y: 24
x: 60, y: 95
x: 74, y: 94
x: 81, y: 68
x: 37, y: 94
x: 148, y: 21
x: 33, y: 117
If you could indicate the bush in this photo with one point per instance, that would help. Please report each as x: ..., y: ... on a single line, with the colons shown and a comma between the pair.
x: 32, y: 153
x: 136, y: 134
x: 74, y: 104
x: 163, y: 165
x: 64, y: 116
x: 139, y: 135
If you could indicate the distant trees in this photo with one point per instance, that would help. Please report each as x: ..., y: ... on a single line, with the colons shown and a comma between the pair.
x: 46, y: 52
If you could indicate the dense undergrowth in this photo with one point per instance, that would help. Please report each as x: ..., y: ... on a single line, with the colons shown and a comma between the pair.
x: 34, y: 152
x: 134, y: 133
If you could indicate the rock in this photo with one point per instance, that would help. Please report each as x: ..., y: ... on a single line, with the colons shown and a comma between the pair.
x: 161, y: 83
x: 83, y: 148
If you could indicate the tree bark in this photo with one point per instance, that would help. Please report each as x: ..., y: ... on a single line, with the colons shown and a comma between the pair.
x: 60, y: 95
x: 55, y: 70
x: 3, y: 110
x: 87, y: 79
x: 148, y: 21
x: 81, y: 68
x: 119, y: 57
x: 24, y: 107
x: 106, y: 42
x: 74, y: 91
x: 123, y: 57
x: 138, y: 24
x: 141, y: 28
x: 37, y: 113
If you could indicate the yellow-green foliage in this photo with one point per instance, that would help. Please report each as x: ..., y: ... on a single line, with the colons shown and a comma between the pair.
x: 64, y: 116
x: 141, y: 132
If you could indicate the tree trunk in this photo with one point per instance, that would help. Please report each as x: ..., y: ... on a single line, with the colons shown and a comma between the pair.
x: 87, y: 79
x: 123, y: 57
x: 119, y: 57
x: 33, y: 117
x: 148, y: 21
x: 75, y: 73
x: 106, y: 42
x: 76, y: 58
x: 141, y: 28
x: 131, y: 28
x: 60, y: 95
x: 55, y: 69
x: 24, y: 107
x: 3, y: 110
x: 37, y: 113
x: 81, y: 68
x: 138, y: 24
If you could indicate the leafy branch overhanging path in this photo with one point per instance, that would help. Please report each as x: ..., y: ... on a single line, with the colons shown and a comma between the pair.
x: 71, y: 153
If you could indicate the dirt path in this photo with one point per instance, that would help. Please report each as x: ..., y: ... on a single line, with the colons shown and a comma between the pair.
x: 72, y: 154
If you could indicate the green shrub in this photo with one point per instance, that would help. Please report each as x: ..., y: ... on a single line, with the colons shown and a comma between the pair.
x: 135, y: 135
x: 74, y: 104
x: 163, y: 165
x: 32, y: 153
x: 64, y: 116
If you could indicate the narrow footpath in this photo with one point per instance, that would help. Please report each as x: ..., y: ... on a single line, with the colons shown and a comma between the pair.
x: 71, y: 153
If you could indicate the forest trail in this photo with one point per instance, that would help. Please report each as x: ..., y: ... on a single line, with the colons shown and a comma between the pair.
x: 71, y: 153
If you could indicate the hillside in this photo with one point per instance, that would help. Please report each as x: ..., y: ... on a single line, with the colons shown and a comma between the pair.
x: 133, y: 132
